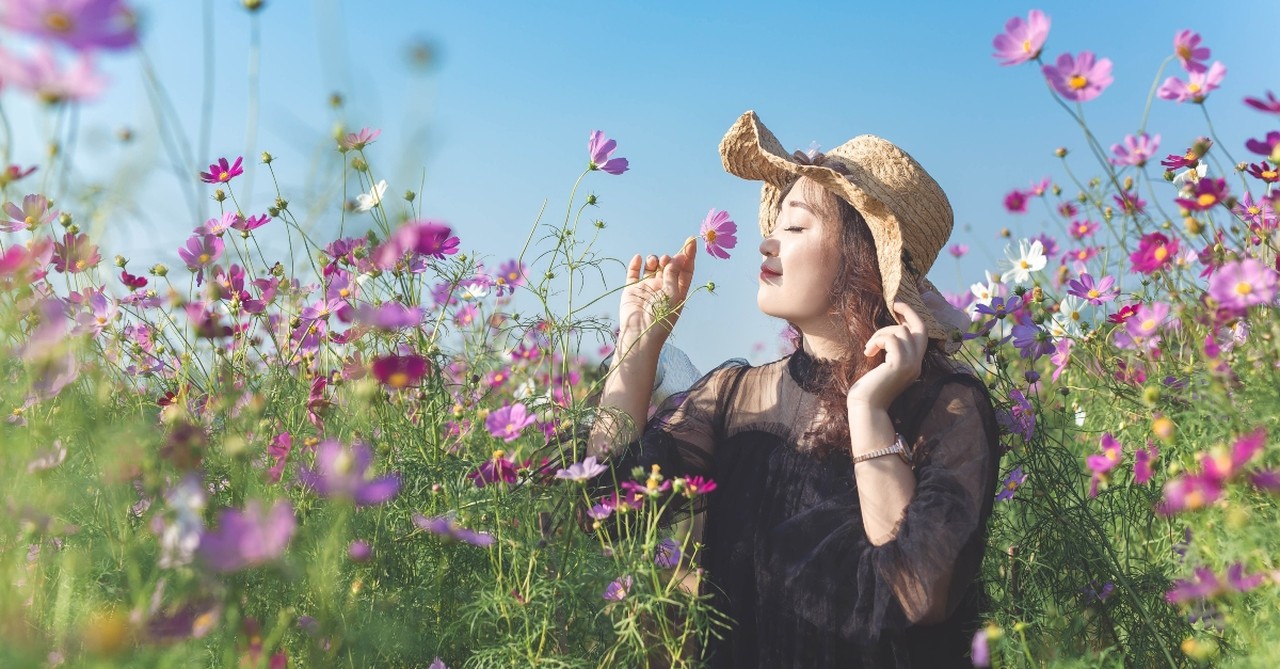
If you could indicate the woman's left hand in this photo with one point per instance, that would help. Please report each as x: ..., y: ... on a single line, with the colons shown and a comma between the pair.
x: 904, y: 346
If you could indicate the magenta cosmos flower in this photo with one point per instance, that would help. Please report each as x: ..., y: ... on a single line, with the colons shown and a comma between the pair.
x: 445, y: 526
x: 719, y: 233
x: 1142, y: 459
x: 1268, y: 146
x: 343, y: 473
x: 1081, y: 78
x: 497, y: 469
x: 601, y: 149
x: 248, y: 538
x: 1208, y: 194
x: 75, y: 254
x: 1021, y: 40
x: 508, y: 422
x: 1102, y: 463
x: 80, y: 24
x: 1243, y: 283
x: 400, y: 371
x: 1135, y: 151
x: 1186, y: 46
x: 1271, y: 104
x: 222, y: 171
x: 1197, y: 87
x: 1155, y: 252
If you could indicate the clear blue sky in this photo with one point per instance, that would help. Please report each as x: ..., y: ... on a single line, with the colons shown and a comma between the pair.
x: 500, y: 123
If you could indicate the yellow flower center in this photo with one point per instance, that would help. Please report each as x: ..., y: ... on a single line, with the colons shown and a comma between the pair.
x: 1093, y: 293
x: 711, y: 236
x: 1269, y: 174
x: 499, y: 454
x: 30, y: 221
x: 1161, y: 253
x: 1254, y: 210
x: 1193, y: 87
x: 1207, y: 200
x: 345, y: 292
x: 223, y: 176
x: 80, y: 264
x: 1149, y: 324
x: 1011, y: 485
x: 1077, y: 82
x: 1195, y: 499
x: 1026, y: 46
x: 342, y: 464
x: 1184, y: 52
x: 398, y: 380
x: 1243, y: 288
x: 58, y: 22
x: 204, y: 258
x: 1024, y: 264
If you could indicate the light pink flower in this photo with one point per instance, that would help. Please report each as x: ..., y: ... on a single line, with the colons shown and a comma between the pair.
x: 719, y: 233
x: 1021, y: 40
x: 1196, y: 88
x: 1081, y: 78
x: 1243, y: 283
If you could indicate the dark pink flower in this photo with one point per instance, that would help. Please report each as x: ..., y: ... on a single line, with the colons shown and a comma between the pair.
x: 1264, y: 172
x: 1208, y: 194
x: 508, y: 422
x: 1102, y: 463
x: 278, y: 452
x: 355, y: 141
x: 44, y: 77
x: 1021, y: 40
x: 447, y: 527
x: 719, y: 233
x: 1080, y: 78
x: 1142, y: 460
x: 1155, y: 252
x: 400, y: 371
x: 251, y: 223
x: 342, y: 472
x: 223, y: 171
x: 1082, y: 229
x: 75, y: 254
x: 80, y: 24
x: 1268, y: 147
x: 497, y: 469
x: 1226, y: 467
x: 697, y: 485
x: 420, y: 238
x: 1271, y: 104
x: 1186, y: 46
x: 132, y: 281
x: 601, y: 148
x: 1197, y: 87
x: 1129, y: 202
x: 1016, y: 201
x: 1135, y: 151
x: 958, y: 250
x: 248, y: 538
x: 1243, y: 283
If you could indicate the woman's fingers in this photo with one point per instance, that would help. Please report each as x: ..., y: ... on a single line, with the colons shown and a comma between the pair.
x: 913, y: 322
x: 688, y: 254
x: 633, y: 268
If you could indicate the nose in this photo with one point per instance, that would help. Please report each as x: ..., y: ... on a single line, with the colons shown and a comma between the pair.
x: 769, y: 247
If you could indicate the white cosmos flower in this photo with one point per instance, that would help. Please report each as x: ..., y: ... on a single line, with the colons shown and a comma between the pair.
x: 1071, y: 312
x: 367, y: 201
x: 1188, y: 177
x: 1030, y: 258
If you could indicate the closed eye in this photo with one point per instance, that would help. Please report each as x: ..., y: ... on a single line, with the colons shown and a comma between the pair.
x: 794, y: 228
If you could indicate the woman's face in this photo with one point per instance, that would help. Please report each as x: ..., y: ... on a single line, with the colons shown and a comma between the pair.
x: 800, y: 260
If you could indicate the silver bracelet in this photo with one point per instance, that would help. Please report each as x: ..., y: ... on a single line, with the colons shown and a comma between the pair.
x: 898, y: 447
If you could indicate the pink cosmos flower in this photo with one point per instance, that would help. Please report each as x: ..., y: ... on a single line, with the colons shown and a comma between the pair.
x: 1147, y: 319
x: 218, y: 225
x: 248, y: 538
x: 390, y: 316
x: 354, y: 141
x: 44, y: 77
x: 497, y: 469
x: 1228, y: 466
x: 1130, y: 203
x: 75, y: 254
x: 200, y: 252
x: 581, y: 471
x: 1197, y: 87
x: 1082, y: 229
x: 1022, y: 41
x: 1081, y: 78
x: 419, y: 238
x: 719, y: 233
x: 1204, y: 584
x: 400, y: 371
x: 1015, y: 202
x: 342, y: 472
x: 1011, y: 483
x: 251, y: 223
x: 1243, y: 283
x: 1142, y: 459
x: 1268, y: 147
x: 508, y: 422
x: 1264, y: 172
x: 1208, y: 194
x: 80, y: 24
x: 697, y: 485
x: 35, y: 212
x: 1080, y: 256
x: 446, y: 526
x: 1102, y: 463
x: 601, y: 149
x: 958, y: 250
x: 1186, y: 46
x: 1271, y: 104
x: 1061, y: 356
x: 1155, y: 252
x: 1135, y: 151
x: 1094, y: 291
x: 222, y: 171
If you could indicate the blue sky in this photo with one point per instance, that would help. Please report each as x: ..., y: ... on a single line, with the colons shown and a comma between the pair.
x: 499, y: 123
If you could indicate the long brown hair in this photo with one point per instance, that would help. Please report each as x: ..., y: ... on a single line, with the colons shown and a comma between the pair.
x: 857, y: 298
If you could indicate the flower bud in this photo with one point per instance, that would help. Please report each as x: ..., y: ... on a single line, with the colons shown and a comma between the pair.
x: 410, y: 196
x: 1192, y: 225
x: 64, y: 219
x: 73, y: 229
x: 1004, y: 232
x: 219, y: 195
x: 282, y: 204
x: 1057, y: 190
x: 1060, y: 152
x: 1128, y: 183
x: 273, y: 212
x: 591, y: 198
x: 253, y: 5
x: 335, y: 100
x: 121, y: 261
x: 159, y: 269
x: 1168, y: 175
x: 358, y: 164
x: 267, y: 158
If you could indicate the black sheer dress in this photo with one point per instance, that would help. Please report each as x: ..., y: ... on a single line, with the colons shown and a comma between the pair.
x: 785, y: 552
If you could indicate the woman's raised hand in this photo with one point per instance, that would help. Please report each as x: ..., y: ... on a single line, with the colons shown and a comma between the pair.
x: 653, y: 298
x: 904, y: 347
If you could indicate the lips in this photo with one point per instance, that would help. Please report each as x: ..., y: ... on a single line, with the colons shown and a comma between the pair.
x: 767, y: 270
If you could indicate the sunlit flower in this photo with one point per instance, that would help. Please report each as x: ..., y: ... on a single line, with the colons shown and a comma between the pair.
x: 1080, y: 78
x: 719, y: 233
x: 1243, y: 283
x: 1021, y: 40
x: 33, y: 213
x: 447, y: 527
x: 248, y: 538
x: 367, y: 201
x: 581, y: 471
x: 218, y: 225
x: 1186, y: 46
x: 1030, y: 258
x: 43, y: 76
x: 251, y: 223
x: 80, y: 24
x: 1061, y: 356
x: 1155, y: 252
x: 1011, y: 483
x: 1095, y: 291
x: 1264, y: 172
x: 75, y: 254
x: 601, y: 149
x: 355, y: 141
x: 342, y: 472
x: 1135, y: 151
x: 223, y: 171
x: 1197, y: 87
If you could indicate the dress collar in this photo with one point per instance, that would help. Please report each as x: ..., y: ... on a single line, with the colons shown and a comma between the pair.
x: 810, y: 373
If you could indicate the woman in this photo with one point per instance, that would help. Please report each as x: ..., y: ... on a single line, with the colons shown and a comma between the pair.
x: 855, y: 476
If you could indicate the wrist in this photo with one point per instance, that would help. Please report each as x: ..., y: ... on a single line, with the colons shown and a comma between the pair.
x: 637, y: 345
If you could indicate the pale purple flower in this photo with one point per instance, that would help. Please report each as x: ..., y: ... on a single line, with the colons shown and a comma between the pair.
x: 80, y: 24
x: 582, y: 471
x: 1032, y: 341
x: 447, y: 527
x: 1080, y: 78
x: 1011, y: 483
x: 667, y: 555
x: 1021, y: 40
x: 617, y: 590
x: 1094, y: 291
x: 35, y: 212
x: 1061, y: 356
x: 980, y: 649
x: 218, y: 225
x: 1102, y: 463
x: 343, y: 473
x: 391, y: 316
x: 44, y: 77
x: 1196, y: 88
x: 1147, y: 320
x: 719, y: 233
x: 248, y: 538
x: 1243, y: 283
x: 437, y: 664
x: 359, y: 551
x: 1186, y: 46
x: 601, y: 150
x: 200, y: 252
x: 508, y: 422
x: 1135, y: 151
x: 46, y: 460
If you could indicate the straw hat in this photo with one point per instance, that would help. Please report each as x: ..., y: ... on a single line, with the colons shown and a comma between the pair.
x: 908, y: 214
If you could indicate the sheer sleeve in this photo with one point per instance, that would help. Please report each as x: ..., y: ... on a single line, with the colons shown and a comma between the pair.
x: 681, y: 433
x: 837, y: 580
